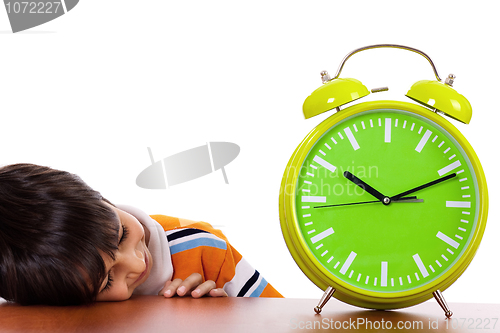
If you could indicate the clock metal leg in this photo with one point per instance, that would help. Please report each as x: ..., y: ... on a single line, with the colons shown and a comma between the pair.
x: 441, y: 301
x: 324, y: 299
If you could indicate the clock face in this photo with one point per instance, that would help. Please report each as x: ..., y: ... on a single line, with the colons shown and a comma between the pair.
x: 394, y: 247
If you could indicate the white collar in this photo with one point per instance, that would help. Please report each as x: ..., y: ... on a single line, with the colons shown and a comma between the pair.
x: 162, y: 269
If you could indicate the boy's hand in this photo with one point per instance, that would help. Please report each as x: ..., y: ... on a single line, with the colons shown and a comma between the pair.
x: 192, y: 284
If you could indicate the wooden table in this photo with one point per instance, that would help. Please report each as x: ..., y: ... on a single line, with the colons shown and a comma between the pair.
x: 156, y: 314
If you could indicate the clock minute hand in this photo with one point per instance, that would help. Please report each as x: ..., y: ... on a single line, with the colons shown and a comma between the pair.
x: 383, y: 198
x: 421, y: 187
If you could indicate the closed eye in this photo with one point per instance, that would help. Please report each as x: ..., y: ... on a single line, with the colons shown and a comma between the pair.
x: 124, y: 234
x: 109, y: 283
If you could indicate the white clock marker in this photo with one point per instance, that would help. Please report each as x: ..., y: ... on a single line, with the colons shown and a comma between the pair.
x: 458, y: 204
x: 351, y: 138
x: 447, y: 240
x: 383, y: 274
x: 449, y: 167
x: 387, y: 130
x: 423, y: 141
x: 311, y: 198
x: 420, y: 265
x: 348, y: 262
x: 322, y: 235
x: 324, y: 163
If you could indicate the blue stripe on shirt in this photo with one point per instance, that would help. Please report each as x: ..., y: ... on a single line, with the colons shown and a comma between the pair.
x: 260, y: 288
x: 194, y: 243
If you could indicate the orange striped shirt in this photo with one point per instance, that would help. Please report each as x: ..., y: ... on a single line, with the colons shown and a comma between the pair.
x: 196, y: 247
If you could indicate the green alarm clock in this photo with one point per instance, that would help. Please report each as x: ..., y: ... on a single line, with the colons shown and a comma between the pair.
x: 383, y: 205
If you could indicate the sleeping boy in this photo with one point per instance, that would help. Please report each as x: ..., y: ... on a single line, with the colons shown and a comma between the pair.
x: 62, y: 243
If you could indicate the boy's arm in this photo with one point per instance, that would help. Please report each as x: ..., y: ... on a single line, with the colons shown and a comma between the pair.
x: 238, y: 278
x: 196, y: 247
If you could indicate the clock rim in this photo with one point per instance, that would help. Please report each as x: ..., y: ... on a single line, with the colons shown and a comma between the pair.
x: 315, y: 271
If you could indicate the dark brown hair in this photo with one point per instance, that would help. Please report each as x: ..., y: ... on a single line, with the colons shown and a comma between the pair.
x: 53, y: 230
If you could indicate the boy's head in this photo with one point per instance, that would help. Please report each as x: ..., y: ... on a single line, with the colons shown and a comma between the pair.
x: 54, y: 232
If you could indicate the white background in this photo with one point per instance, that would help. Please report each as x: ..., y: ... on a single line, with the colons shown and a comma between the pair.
x: 90, y: 91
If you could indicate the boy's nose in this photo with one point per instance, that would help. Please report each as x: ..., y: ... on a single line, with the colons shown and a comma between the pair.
x: 133, y: 261
x: 139, y: 263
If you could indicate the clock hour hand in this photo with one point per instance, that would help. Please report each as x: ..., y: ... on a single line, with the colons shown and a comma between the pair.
x: 405, y: 199
x: 383, y: 198
x: 421, y: 187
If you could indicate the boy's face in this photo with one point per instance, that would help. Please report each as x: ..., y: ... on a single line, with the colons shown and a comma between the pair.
x: 132, y: 263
